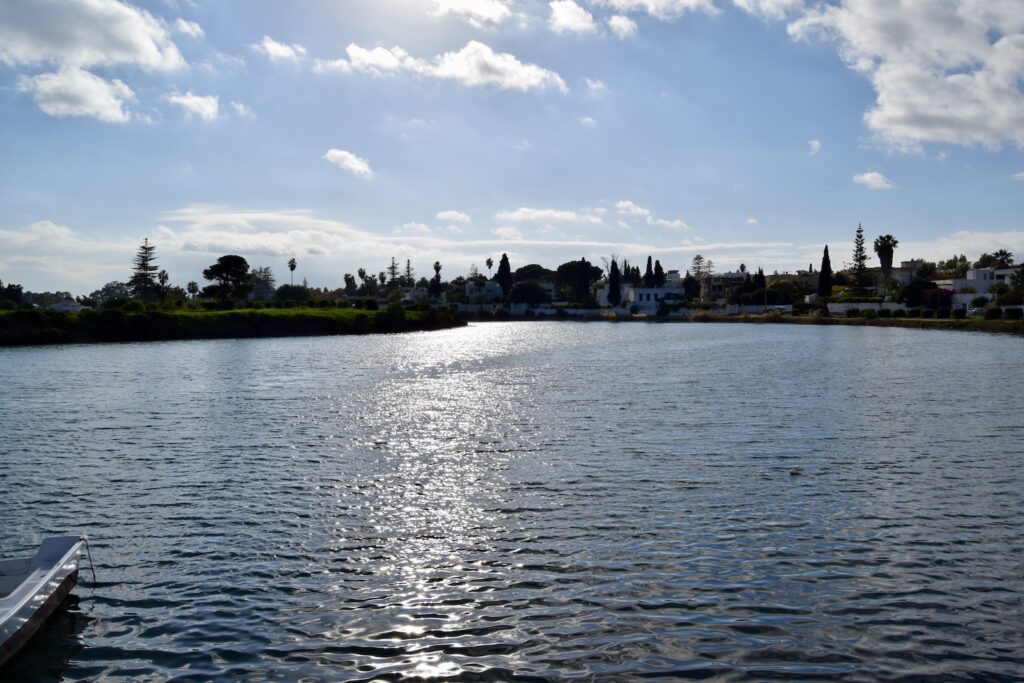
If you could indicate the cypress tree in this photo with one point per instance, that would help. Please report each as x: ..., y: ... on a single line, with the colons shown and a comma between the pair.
x: 649, y: 274
x: 614, y: 285
x: 144, y: 269
x: 825, y: 275
x: 583, y: 285
x: 759, y: 281
x: 504, y: 275
x: 659, y: 274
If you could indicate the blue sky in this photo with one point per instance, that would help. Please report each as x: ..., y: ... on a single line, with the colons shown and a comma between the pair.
x: 346, y: 132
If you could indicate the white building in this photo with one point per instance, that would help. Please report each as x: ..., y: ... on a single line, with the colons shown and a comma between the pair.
x: 488, y: 290
x: 68, y: 306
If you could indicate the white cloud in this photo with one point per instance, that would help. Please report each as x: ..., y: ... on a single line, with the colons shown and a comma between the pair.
x: 205, y: 107
x: 566, y: 15
x: 349, y: 162
x: 662, y: 9
x: 770, y: 9
x: 873, y: 180
x: 381, y: 60
x: 752, y: 221
x: 526, y: 214
x: 477, y: 12
x: 277, y: 52
x: 622, y: 26
x: 628, y: 208
x: 595, y: 86
x: 508, y: 233
x: 453, y: 216
x: 84, y: 33
x: 813, y: 147
x: 188, y: 28
x: 47, y: 256
x: 242, y: 111
x: 588, y: 122
x: 942, y: 71
x: 1018, y: 176
x: 476, y: 64
x: 413, y: 228
x: 74, y: 92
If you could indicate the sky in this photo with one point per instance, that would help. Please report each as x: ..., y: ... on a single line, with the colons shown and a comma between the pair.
x: 346, y: 132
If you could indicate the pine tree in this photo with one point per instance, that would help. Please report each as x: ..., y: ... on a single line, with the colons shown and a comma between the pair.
x: 392, y: 274
x: 143, y: 284
x: 504, y: 275
x: 825, y: 275
x: 614, y: 285
x: 860, y: 260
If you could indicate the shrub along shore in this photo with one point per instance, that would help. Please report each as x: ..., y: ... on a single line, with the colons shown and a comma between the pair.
x: 34, y: 327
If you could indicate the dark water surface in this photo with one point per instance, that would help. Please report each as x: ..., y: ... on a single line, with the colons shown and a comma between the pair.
x: 527, y: 500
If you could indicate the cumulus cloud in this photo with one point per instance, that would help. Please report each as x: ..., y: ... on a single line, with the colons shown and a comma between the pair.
x: 662, y: 9
x: 588, y: 122
x: 203, y: 107
x: 476, y: 64
x: 350, y: 162
x: 188, y: 28
x: 752, y: 221
x: 942, y: 71
x: 626, y: 207
x: 479, y: 13
x: 622, y: 26
x: 278, y: 52
x: 595, y: 86
x: 84, y: 34
x: 508, y: 233
x: 530, y: 215
x: 873, y: 180
x: 453, y: 216
x: 74, y: 92
x: 566, y: 15
x: 813, y: 147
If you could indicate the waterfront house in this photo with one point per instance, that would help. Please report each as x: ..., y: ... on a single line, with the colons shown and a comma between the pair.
x: 488, y: 290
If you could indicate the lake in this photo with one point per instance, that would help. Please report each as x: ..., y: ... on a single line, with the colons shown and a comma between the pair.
x: 527, y: 501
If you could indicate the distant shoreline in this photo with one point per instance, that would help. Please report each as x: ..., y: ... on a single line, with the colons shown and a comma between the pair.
x: 47, y: 328
x: 44, y: 328
x: 1015, y: 327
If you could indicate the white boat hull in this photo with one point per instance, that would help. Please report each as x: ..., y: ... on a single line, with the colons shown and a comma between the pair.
x: 34, y: 588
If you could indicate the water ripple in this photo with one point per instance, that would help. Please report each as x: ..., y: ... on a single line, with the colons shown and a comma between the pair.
x: 528, y: 502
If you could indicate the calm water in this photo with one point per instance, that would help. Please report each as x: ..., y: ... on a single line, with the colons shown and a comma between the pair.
x: 527, y: 501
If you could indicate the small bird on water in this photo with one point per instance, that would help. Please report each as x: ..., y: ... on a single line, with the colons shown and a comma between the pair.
x: 795, y: 472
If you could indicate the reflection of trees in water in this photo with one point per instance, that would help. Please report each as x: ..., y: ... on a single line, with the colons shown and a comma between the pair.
x: 46, y: 656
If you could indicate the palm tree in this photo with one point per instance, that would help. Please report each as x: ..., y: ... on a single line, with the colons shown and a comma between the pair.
x: 884, y: 247
x: 192, y: 288
x: 291, y: 269
x: 490, y: 264
x: 1003, y: 259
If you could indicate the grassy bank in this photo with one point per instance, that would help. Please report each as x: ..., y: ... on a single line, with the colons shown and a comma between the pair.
x: 965, y: 324
x: 20, y: 328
